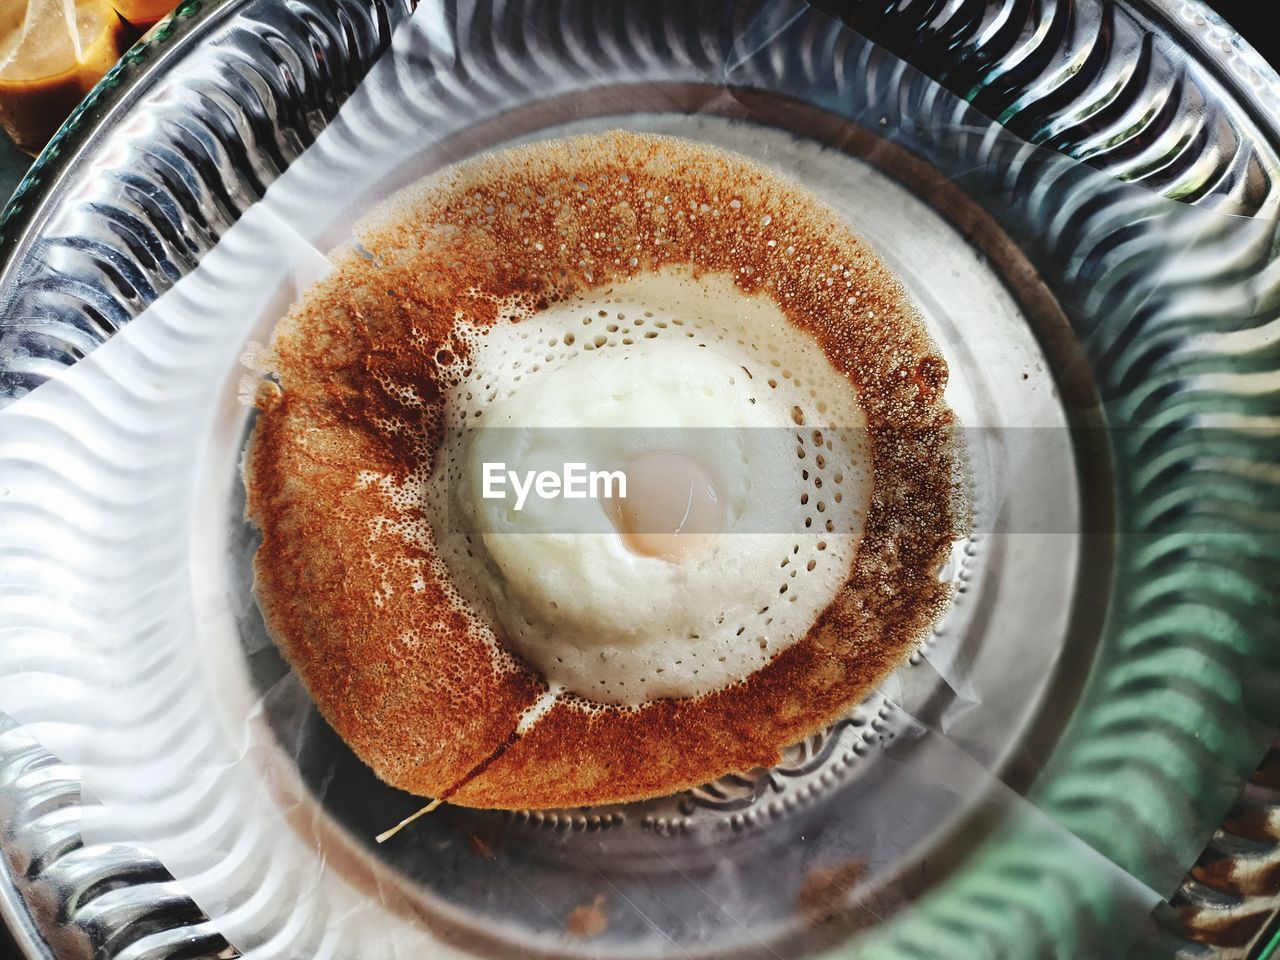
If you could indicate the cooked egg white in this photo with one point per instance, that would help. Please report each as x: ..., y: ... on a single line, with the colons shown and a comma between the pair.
x: 748, y: 484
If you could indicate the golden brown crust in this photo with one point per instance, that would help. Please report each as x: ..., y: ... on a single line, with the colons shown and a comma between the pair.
x: 372, y: 625
x: 386, y: 676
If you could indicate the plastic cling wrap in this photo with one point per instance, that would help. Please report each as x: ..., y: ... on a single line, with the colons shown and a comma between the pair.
x: 1031, y: 784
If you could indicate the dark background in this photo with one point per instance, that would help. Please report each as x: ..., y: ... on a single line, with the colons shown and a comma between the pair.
x: 1257, y: 20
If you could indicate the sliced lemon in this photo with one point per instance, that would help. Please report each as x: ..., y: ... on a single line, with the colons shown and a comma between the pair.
x: 143, y: 13
x: 46, y: 67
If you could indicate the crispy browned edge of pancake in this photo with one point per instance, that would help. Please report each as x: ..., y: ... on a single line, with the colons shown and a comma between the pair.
x: 396, y: 672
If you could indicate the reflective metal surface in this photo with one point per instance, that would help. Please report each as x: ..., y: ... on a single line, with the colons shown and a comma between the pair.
x: 127, y: 204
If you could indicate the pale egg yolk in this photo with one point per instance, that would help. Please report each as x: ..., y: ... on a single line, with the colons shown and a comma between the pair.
x: 672, y: 509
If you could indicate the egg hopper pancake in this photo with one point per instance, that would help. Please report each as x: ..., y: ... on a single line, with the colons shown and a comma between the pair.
x: 403, y: 661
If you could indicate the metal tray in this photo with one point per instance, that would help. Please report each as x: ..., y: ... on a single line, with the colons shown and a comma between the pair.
x: 202, y: 117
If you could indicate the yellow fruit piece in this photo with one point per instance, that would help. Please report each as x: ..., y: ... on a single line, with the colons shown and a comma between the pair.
x: 143, y: 13
x: 46, y: 68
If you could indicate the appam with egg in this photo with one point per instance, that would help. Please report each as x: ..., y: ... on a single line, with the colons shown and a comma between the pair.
x: 610, y: 284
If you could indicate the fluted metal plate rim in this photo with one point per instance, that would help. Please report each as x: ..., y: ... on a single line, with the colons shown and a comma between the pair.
x: 77, y: 140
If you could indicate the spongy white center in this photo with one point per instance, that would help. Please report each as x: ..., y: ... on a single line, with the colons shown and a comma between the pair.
x: 662, y: 362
